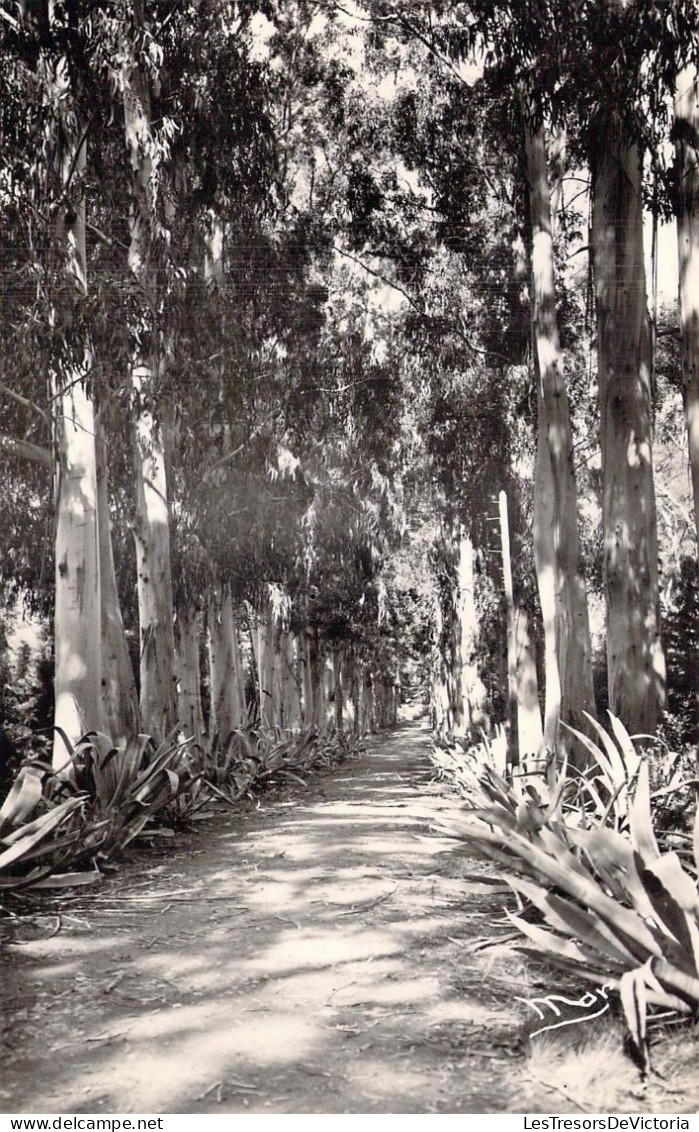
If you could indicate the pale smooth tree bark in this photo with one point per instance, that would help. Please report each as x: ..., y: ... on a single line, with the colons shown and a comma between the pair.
x: 568, y: 668
x: 636, y: 668
x: 523, y: 713
x: 77, y: 626
x: 467, y: 687
x: 78, y: 648
x: 530, y: 733
x: 118, y: 686
x: 158, y: 702
x: 686, y: 134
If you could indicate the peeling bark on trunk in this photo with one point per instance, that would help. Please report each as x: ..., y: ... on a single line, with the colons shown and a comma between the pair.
x: 569, y: 689
x: 158, y: 705
x: 78, y: 649
x: 356, y: 695
x: 316, y: 664
x: 368, y: 721
x: 396, y: 701
x: 265, y: 653
x: 286, y: 704
x: 516, y: 709
x: 338, y: 688
x: 118, y: 686
x: 191, y: 716
x: 467, y: 708
x: 305, y: 672
x: 291, y: 683
x: 686, y: 134
x: 152, y: 525
x: 530, y: 733
x: 440, y: 699
x: 78, y: 663
x: 634, y: 652
x: 225, y: 668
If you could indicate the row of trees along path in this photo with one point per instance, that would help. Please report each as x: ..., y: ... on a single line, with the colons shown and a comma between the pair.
x: 320, y: 265
x: 320, y: 268
x: 319, y: 953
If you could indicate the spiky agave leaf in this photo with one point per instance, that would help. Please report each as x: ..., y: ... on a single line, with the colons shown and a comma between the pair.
x: 641, y: 830
x: 617, y: 908
x: 23, y: 840
x: 22, y: 799
x: 567, y: 917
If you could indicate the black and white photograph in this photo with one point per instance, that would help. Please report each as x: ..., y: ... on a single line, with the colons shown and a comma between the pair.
x: 349, y: 585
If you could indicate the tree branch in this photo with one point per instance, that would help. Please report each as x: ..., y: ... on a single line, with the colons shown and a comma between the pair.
x: 30, y: 451
x: 26, y: 403
x: 399, y: 20
x: 378, y: 275
x: 416, y: 306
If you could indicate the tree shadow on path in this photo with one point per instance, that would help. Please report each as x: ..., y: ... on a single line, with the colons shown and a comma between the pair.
x: 316, y: 954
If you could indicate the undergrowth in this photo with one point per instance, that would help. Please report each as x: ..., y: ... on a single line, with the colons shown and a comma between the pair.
x: 59, y: 827
x: 604, y: 867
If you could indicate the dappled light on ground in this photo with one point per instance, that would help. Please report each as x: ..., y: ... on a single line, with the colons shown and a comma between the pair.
x: 316, y: 954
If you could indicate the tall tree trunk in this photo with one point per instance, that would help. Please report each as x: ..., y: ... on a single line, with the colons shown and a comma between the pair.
x: 635, y: 657
x: 316, y: 664
x: 530, y: 734
x: 191, y: 716
x: 78, y: 649
x: 569, y: 687
x: 289, y: 701
x: 466, y: 682
x: 225, y: 669
x: 152, y: 524
x: 305, y: 672
x: 78, y: 660
x: 118, y: 687
x: 395, y: 701
x: 686, y: 133
x: 440, y: 700
x: 286, y: 706
x: 368, y: 717
x: 295, y: 690
x: 338, y: 688
x: 265, y: 653
x: 356, y: 694
x: 158, y: 703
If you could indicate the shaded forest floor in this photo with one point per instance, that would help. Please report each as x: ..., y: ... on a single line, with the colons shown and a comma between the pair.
x: 315, y: 953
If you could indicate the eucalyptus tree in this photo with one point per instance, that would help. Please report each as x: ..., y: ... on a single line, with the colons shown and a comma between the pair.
x: 686, y: 137
x: 562, y: 593
x: 602, y: 69
x: 146, y: 152
x: 49, y: 43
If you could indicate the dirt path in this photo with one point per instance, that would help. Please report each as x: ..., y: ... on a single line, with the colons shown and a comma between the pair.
x: 311, y: 955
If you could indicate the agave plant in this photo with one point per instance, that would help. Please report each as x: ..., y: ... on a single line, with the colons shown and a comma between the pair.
x: 462, y: 764
x: 617, y: 910
x: 31, y: 850
x: 228, y: 768
x: 126, y: 785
